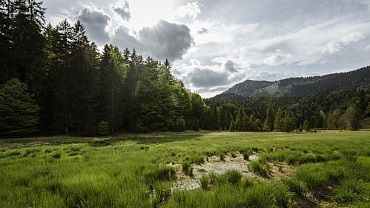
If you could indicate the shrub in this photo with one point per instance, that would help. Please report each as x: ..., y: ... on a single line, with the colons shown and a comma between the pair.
x: 260, y: 168
x: 103, y: 128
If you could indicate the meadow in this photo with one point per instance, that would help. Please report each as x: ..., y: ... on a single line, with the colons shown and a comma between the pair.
x: 322, y: 169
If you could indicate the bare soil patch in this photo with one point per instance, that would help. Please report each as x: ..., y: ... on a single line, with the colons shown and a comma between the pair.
x: 214, y: 164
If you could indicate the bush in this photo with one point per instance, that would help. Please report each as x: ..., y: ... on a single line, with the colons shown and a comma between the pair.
x: 103, y: 128
x: 260, y: 168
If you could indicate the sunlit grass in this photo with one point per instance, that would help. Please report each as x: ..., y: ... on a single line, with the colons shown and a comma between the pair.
x: 131, y: 170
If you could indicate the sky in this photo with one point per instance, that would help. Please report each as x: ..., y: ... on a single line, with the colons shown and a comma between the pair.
x: 215, y: 44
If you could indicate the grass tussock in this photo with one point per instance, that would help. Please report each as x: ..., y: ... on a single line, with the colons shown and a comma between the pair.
x: 261, y: 168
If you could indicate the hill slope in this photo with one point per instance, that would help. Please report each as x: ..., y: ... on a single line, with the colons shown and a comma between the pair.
x: 300, y: 87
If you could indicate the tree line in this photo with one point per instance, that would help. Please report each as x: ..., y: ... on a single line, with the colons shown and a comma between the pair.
x: 341, y: 109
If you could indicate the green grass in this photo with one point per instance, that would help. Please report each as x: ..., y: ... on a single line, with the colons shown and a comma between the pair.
x: 260, y: 168
x: 131, y: 170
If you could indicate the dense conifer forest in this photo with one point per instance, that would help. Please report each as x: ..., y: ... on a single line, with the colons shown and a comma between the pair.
x: 54, y: 80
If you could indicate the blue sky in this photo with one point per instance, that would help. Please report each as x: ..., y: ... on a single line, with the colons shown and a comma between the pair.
x: 214, y: 44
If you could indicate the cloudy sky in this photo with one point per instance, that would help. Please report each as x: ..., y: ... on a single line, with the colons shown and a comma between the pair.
x: 214, y: 44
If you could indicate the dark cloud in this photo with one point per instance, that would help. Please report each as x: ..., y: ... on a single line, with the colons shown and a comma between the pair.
x: 201, y: 78
x: 230, y: 66
x: 123, y: 11
x: 123, y: 39
x: 163, y: 40
x: 95, y: 23
x: 166, y: 40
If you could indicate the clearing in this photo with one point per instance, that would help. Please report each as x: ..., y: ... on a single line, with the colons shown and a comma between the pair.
x: 188, y: 169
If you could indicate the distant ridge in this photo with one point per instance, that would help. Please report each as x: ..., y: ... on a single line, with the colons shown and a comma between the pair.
x: 299, y: 87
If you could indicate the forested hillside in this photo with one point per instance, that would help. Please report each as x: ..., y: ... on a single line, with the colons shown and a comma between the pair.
x: 334, y: 101
x: 300, y: 87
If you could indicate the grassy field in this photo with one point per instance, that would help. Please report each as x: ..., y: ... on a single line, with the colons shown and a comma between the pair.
x: 326, y: 169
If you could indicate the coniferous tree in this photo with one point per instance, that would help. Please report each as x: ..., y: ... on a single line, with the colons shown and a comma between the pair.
x: 279, y: 120
x: 27, y: 42
x: 270, y: 117
x: 352, y: 117
x: 306, y: 125
x: 18, y: 109
x: 113, y: 71
x: 289, y: 122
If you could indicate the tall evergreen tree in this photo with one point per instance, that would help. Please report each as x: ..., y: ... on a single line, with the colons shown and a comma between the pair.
x: 18, y: 109
x: 279, y: 120
x: 113, y: 70
x: 270, y: 117
x: 352, y: 117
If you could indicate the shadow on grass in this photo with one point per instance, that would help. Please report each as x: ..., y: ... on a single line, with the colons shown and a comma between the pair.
x: 139, y: 138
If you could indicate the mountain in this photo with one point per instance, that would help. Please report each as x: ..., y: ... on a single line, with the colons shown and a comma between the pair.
x: 300, y: 87
x: 248, y: 87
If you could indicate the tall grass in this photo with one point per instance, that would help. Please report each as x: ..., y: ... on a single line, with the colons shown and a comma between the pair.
x: 131, y: 170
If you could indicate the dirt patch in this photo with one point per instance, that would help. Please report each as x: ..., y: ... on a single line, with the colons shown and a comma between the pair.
x: 214, y: 164
x: 280, y: 170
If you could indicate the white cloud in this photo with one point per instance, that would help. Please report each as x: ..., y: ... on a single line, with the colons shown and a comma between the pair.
x: 277, y: 58
x: 189, y: 10
x: 338, y: 45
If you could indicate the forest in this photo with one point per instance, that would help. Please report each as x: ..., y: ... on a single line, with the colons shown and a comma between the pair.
x: 54, y: 80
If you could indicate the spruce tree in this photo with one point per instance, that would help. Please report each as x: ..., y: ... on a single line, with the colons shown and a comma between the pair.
x: 18, y: 109
x: 270, y: 118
